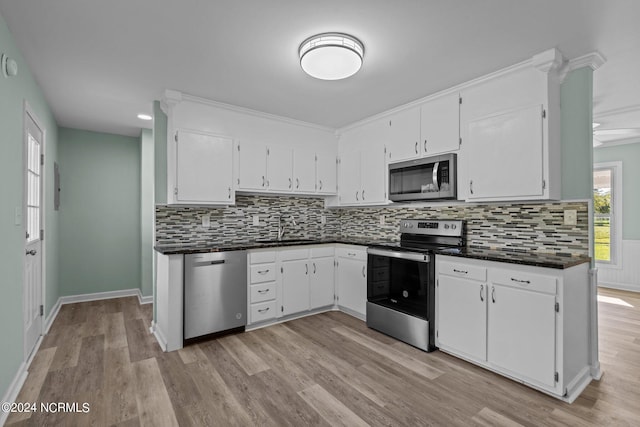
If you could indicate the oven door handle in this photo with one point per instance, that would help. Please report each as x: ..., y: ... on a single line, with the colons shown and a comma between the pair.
x: 411, y: 256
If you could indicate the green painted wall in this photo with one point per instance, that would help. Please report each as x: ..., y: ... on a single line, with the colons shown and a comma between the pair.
x: 160, y: 153
x: 99, y: 212
x: 629, y: 155
x: 14, y: 92
x: 147, y: 213
x: 576, y: 99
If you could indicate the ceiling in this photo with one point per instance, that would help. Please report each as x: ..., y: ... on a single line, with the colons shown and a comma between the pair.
x: 100, y: 63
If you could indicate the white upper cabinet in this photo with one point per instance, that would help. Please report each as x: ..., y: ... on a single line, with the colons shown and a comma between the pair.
x: 404, y: 135
x: 279, y: 168
x: 510, y: 126
x: 362, y: 168
x: 252, y: 166
x: 440, y: 125
x: 304, y: 170
x: 203, y: 169
x: 428, y: 129
x: 326, y: 172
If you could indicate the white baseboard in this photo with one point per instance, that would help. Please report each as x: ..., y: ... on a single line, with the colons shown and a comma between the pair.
x: 619, y: 286
x: 14, y: 388
x: 144, y: 299
x: 99, y: 296
x: 162, y: 341
x: 51, y: 317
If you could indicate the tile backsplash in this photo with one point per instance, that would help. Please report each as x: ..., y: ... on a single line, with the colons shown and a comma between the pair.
x: 532, y: 227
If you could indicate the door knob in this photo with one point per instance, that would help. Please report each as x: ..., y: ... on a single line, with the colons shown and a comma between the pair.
x: 32, y: 252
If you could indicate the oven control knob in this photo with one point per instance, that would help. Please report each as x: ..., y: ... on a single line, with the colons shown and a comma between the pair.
x: 453, y: 226
x: 446, y: 226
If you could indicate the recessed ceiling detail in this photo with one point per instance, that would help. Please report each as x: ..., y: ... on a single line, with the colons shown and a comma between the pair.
x: 331, y: 56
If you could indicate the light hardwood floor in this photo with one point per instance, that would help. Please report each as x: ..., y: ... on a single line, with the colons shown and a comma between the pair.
x: 327, y: 369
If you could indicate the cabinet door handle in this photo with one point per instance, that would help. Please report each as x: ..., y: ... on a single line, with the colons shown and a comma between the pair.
x: 290, y: 183
x: 263, y: 291
x: 351, y: 254
x: 460, y: 271
x: 471, y: 186
x: 264, y: 310
x: 357, y: 198
x: 267, y: 183
x: 314, y: 268
x: 263, y: 271
x: 363, y: 275
x: 482, y: 293
x: 493, y: 294
x: 229, y: 195
x: 416, y: 147
x: 306, y: 267
x: 362, y: 194
x: 425, y: 145
x: 263, y: 181
x: 297, y: 183
x: 320, y: 184
x: 526, y: 282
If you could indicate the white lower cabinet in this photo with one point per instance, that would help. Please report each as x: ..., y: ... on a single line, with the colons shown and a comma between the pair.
x: 351, y: 279
x: 290, y: 280
x: 528, y: 323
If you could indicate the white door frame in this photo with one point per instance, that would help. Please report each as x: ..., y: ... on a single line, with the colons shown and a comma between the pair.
x: 28, y: 111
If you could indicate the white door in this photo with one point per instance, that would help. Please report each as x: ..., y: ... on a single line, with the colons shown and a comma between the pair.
x: 295, y: 287
x: 304, y: 170
x: 352, y: 285
x: 462, y: 316
x: 252, y: 166
x: 522, y: 333
x: 440, y: 125
x: 326, y: 176
x: 404, y: 135
x: 203, y: 168
x: 32, y: 292
x: 279, y: 168
x: 321, y: 287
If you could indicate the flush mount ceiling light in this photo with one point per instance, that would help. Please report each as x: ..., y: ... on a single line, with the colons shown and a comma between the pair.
x: 331, y: 56
x: 144, y: 117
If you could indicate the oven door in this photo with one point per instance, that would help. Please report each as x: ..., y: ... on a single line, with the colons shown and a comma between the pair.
x: 401, y: 281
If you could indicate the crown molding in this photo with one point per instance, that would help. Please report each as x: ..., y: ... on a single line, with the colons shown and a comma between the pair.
x: 173, y: 97
x: 594, y: 60
x: 618, y: 142
x: 618, y: 111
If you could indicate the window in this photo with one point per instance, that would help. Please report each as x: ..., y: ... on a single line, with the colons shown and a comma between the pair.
x: 607, y: 221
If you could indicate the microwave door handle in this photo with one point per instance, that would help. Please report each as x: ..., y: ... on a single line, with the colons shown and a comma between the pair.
x: 435, y: 176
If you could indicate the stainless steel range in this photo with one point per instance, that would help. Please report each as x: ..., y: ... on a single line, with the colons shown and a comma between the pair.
x: 401, y: 279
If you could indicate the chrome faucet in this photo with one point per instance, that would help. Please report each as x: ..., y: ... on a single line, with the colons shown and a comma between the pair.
x: 282, y: 228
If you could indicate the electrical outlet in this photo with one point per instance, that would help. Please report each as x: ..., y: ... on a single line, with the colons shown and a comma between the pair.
x: 206, y: 221
x: 256, y: 220
x: 570, y: 217
x: 323, y: 219
x: 381, y: 219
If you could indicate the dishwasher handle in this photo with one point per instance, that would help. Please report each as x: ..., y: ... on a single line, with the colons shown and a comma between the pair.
x: 205, y: 263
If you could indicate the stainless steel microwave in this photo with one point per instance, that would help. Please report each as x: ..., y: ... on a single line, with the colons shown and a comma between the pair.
x: 429, y: 178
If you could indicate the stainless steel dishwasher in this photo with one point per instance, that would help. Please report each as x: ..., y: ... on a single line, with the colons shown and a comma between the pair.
x: 215, y: 293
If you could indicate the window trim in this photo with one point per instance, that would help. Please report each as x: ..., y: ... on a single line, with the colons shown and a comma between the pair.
x: 616, y: 219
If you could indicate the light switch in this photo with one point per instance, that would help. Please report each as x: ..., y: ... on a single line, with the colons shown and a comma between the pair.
x: 206, y: 221
x: 18, y: 216
x: 381, y: 219
x: 323, y: 219
x: 570, y: 217
x: 256, y: 220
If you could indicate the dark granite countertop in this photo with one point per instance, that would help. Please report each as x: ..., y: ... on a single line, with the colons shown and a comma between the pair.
x: 513, y: 257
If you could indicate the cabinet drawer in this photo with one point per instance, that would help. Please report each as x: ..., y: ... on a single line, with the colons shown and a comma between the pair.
x: 293, y: 254
x: 524, y: 280
x: 472, y: 272
x: 263, y: 273
x: 262, y: 257
x: 352, y: 253
x: 263, y: 311
x: 323, y: 251
x: 264, y: 292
